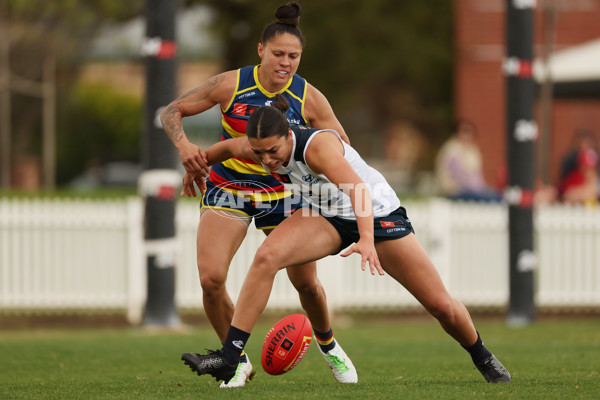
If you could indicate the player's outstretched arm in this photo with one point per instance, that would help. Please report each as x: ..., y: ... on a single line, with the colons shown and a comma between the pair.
x: 325, y: 155
x: 226, y: 149
x: 216, y: 90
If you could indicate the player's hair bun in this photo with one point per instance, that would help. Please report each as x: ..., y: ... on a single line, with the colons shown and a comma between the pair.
x: 289, y: 14
x: 280, y: 103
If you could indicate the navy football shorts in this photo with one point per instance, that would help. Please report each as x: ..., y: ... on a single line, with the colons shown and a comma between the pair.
x: 395, y: 226
x: 267, y: 214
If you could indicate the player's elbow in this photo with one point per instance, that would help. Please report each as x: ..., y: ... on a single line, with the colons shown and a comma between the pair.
x: 166, y: 111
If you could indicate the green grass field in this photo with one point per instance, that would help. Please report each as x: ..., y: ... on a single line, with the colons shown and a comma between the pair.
x: 396, y: 357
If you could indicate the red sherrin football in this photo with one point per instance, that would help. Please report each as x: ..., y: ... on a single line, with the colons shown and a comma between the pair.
x: 286, y: 344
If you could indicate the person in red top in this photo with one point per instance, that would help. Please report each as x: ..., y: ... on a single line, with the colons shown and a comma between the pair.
x: 579, y: 183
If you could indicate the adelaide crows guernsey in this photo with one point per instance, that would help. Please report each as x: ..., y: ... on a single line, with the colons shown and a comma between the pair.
x: 318, y: 191
x: 246, y: 177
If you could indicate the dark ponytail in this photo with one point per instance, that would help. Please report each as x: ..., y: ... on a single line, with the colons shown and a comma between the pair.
x: 270, y: 120
x: 287, y: 18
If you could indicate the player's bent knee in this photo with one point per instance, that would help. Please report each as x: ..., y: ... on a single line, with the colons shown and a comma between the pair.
x: 442, y: 309
x: 308, y: 287
x: 212, y: 283
x: 266, y: 259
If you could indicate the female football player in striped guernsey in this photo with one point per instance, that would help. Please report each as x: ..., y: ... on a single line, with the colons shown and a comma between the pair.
x: 347, y: 203
x: 237, y: 185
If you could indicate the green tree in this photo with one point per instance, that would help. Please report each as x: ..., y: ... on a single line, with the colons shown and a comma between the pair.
x: 37, y: 30
x: 378, y: 61
x: 99, y: 125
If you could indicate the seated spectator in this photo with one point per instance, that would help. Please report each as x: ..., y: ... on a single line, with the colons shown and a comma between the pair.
x: 579, y: 171
x: 582, y: 139
x: 581, y: 184
x: 459, y: 167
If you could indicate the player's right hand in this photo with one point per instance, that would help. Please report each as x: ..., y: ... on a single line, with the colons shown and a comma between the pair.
x: 194, y: 160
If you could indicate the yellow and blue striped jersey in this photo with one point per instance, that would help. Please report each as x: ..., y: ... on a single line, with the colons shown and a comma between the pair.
x: 241, y: 175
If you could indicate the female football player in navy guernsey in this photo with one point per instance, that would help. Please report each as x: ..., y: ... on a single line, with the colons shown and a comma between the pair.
x: 347, y: 203
x: 236, y: 185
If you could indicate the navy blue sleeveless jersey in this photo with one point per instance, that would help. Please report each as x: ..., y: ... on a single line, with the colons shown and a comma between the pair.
x: 237, y: 174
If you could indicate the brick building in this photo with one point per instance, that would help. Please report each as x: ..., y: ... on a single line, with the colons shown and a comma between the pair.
x: 480, y: 85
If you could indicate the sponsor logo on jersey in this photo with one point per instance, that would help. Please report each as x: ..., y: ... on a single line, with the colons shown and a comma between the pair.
x: 243, y: 109
x: 281, y: 178
x: 252, y: 93
x: 310, y: 179
x: 290, y: 116
x: 392, y: 230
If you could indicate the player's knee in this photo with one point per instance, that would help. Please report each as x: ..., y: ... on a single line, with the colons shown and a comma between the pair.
x: 266, y: 259
x: 212, y: 283
x: 442, y: 309
x: 308, y: 287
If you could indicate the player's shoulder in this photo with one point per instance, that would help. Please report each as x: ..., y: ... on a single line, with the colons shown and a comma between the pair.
x: 324, y: 143
x: 315, y: 104
x: 228, y: 78
x: 301, y: 131
x: 302, y: 134
x: 314, y: 93
x: 223, y: 86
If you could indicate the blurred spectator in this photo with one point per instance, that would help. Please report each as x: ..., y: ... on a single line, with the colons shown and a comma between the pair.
x: 582, y: 139
x: 579, y: 170
x: 459, y: 166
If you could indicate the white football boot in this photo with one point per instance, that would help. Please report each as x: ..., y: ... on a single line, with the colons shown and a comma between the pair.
x: 243, y: 374
x: 340, y: 364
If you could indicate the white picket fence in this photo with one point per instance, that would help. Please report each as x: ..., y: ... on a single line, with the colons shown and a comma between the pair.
x: 88, y: 256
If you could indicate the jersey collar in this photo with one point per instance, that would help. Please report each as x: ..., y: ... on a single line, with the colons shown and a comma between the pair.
x: 265, y: 91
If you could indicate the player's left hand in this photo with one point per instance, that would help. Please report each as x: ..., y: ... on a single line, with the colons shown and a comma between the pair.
x: 366, y: 249
x: 188, y: 185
